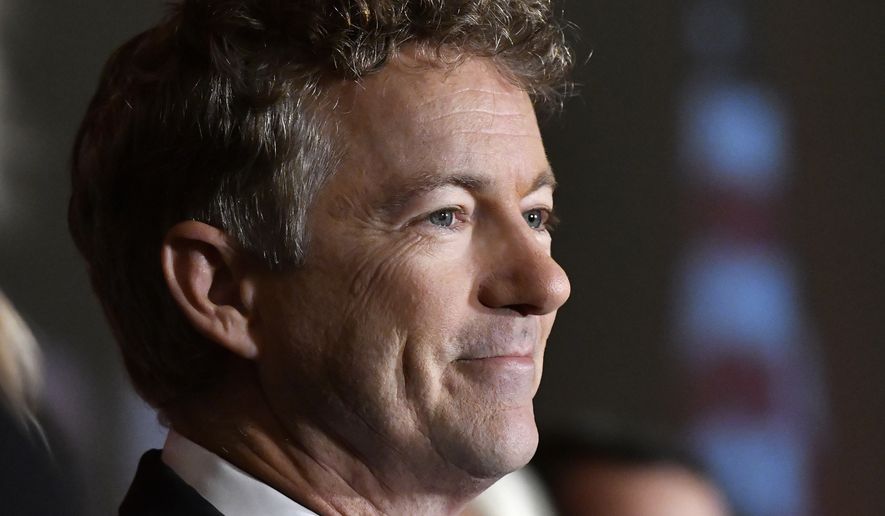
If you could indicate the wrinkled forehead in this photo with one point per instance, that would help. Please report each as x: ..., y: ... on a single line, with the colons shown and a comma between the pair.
x: 444, y: 112
x: 434, y: 87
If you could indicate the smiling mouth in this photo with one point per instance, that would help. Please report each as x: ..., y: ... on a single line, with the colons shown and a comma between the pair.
x: 499, y: 342
x: 515, y: 357
x: 508, y: 379
x: 511, y: 357
x: 520, y: 350
x: 523, y: 352
x: 508, y: 365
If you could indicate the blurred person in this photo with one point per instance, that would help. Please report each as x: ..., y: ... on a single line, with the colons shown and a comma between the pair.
x: 320, y: 232
x: 602, y: 470
x: 30, y: 482
x: 20, y: 368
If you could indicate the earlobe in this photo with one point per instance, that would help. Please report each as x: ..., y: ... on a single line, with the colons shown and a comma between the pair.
x: 209, y: 280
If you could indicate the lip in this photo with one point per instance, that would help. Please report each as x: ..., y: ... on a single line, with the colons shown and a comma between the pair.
x: 519, y: 349
x: 499, y: 341
x: 499, y: 367
x: 520, y: 355
x: 502, y: 365
x: 509, y: 380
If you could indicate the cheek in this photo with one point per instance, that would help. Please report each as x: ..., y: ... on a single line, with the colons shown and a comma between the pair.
x: 405, y: 277
x: 373, y: 321
x: 374, y: 302
x: 407, y: 303
x: 382, y: 279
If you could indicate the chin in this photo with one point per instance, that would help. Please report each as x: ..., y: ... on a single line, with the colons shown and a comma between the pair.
x: 492, y: 444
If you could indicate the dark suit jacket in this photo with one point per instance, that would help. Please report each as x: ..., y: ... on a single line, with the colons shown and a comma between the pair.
x: 158, y: 491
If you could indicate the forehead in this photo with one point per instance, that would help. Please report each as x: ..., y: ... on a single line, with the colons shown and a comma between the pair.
x: 418, y: 118
x: 431, y: 87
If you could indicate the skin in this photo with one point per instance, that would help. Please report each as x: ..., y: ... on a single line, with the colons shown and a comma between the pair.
x: 394, y: 372
x: 619, y: 490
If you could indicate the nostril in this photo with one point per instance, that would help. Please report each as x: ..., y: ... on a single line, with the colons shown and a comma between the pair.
x: 522, y: 309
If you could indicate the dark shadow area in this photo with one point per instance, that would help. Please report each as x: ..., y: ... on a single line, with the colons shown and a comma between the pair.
x: 52, y: 53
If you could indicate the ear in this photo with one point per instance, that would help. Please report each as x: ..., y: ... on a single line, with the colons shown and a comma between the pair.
x: 209, y: 279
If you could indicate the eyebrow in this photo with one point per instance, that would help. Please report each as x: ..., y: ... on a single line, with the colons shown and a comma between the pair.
x: 428, y: 182
x: 544, y: 178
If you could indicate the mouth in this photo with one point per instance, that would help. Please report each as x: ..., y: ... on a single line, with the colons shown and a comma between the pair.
x: 518, y: 356
x: 501, y: 359
x: 502, y: 346
x: 499, y: 364
x: 514, y: 363
x: 509, y: 379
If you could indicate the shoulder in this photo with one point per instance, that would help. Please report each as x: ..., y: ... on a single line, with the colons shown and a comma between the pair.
x: 156, y: 490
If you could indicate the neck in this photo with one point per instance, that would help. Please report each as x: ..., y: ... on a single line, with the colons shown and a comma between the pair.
x: 310, y: 465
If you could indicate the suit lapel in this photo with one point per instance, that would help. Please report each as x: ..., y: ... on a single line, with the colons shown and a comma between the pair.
x: 158, y: 491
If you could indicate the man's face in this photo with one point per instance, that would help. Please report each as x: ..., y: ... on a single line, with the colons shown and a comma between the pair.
x: 415, y: 331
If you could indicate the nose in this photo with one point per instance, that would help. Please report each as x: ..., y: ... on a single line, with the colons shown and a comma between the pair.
x: 521, y: 275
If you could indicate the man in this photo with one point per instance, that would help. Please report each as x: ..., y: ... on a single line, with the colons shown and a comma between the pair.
x: 320, y: 231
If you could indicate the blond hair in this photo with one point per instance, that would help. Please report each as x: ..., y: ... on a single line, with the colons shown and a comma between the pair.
x: 20, y: 366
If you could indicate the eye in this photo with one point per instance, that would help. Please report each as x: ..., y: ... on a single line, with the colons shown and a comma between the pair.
x: 537, y: 218
x: 442, y: 218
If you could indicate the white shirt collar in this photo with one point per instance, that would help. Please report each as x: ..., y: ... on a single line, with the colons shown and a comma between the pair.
x: 231, y: 490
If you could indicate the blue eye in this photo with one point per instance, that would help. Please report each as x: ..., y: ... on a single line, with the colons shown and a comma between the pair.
x: 536, y: 219
x: 443, y: 218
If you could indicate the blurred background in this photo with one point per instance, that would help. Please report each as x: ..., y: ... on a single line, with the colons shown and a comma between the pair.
x: 724, y: 231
